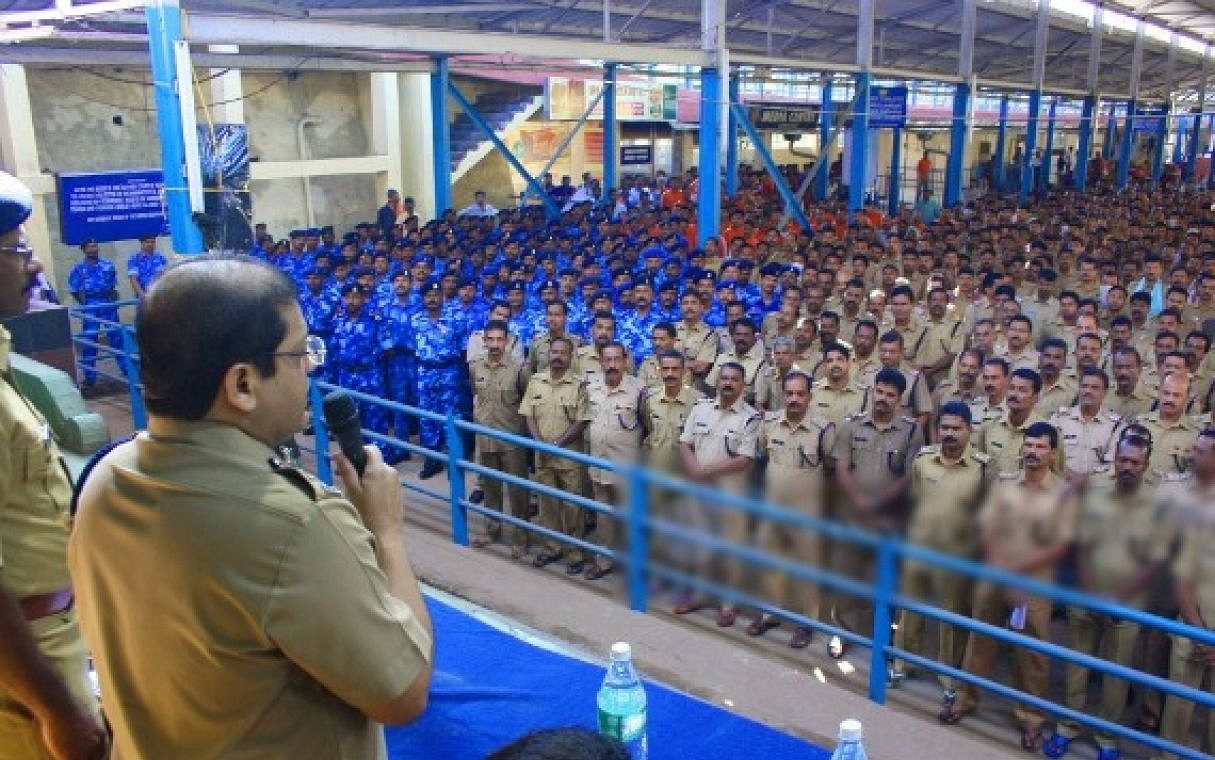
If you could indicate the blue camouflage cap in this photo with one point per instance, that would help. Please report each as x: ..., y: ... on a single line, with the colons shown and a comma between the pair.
x: 16, y: 203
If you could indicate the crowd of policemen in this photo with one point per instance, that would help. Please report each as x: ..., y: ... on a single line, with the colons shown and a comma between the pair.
x: 1030, y: 387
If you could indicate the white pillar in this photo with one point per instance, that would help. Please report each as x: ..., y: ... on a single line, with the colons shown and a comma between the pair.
x: 383, y: 117
x: 415, y: 143
x: 227, y: 91
x: 19, y: 157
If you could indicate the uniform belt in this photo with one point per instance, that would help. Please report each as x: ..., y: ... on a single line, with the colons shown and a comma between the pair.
x: 438, y: 365
x: 40, y: 606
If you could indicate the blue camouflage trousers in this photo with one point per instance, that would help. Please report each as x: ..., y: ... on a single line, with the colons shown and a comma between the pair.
x: 372, y: 417
x: 441, y: 390
x: 91, y: 331
x: 403, y: 389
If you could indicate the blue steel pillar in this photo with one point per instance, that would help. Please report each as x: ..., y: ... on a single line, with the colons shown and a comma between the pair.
x: 894, y: 194
x: 1111, y: 125
x: 708, y: 210
x: 732, y: 125
x: 1087, y: 111
x: 860, y: 145
x: 822, y: 180
x: 1191, y: 158
x: 610, y: 151
x: 1180, y: 136
x: 957, y: 144
x: 1123, y: 175
x: 793, y: 204
x: 1047, y: 154
x: 164, y: 30
x: 1001, y: 163
x: 1031, y: 144
x: 1158, y: 154
x: 440, y: 135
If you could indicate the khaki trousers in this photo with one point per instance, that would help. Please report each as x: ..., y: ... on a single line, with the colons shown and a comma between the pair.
x: 512, y: 461
x: 59, y: 639
x: 951, y: 592
x: 1186, y: 668
x: 559, y: 514
x: 606, y: 533
x: 1030, y: 669
x: 1114, y: 642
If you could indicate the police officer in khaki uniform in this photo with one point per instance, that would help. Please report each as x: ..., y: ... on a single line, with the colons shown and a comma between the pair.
x: 1129, y: 399
x: 1088, y: 434
x: 1193, y: 507
x: 499, y: 381
x: 662, y: 339
x: 284, y: 620
x: 943, y: 341
x: 770, y: 385
x: 873, y: 455
x: 556, y: 411
x: 964, y: 386
x: 747, y: 352
x: 836, y: 396
x: 556, y: 314
x: 865, y: 362
x: 1123, y: 541
x: 587, y: 363
x: 1026, y: 526
x: 614, y: 434
x: 47, y: 707
x: 1001, y: 438
x: 797, y: 448
x: 695, y: 339
x: 948, y: 482
x: 917, y: 401
x: 1173, y: 433
x: 717, y: 447
x: 1058, y: 390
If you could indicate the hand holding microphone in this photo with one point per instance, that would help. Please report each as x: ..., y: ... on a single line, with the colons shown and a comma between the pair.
x: 371, y: 485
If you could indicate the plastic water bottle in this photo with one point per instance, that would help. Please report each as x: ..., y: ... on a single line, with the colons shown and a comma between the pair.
x: 622, y: 704
x: 850, y: 746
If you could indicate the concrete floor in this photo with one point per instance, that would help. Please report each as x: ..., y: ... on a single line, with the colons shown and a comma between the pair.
x: 801, y: 692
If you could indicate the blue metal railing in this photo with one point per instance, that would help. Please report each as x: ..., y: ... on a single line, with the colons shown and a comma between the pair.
x: 125, y: 356
x: 640, y: 526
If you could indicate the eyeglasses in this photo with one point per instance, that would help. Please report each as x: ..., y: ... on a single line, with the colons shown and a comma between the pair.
x: 23, y: 251
x: 314, y: 351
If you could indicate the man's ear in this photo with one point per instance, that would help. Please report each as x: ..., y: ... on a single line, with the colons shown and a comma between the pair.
x: 240, y: 387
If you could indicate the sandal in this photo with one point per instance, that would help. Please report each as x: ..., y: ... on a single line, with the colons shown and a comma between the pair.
x: 762, y: 625
x: 1031, y: 739
x: 952, y: 716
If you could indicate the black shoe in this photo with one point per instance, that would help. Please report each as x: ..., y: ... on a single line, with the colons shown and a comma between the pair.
x: 575, y: 568
x: 477, y: 496
x: 430, y: 469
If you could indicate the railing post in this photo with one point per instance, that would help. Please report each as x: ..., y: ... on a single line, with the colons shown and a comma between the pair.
x: 139, y: 415
x: 639, y: 545
x: 455, y: 478
x: 883, y: 592
x: 320, y: 433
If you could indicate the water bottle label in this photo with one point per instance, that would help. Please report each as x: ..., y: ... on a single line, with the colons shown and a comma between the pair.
x: 626, y: 728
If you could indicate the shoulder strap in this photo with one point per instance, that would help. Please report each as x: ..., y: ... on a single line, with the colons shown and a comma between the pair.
x: 87, y: 470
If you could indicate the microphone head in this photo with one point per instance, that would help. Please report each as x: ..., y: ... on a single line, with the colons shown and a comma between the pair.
x: 339, y: 409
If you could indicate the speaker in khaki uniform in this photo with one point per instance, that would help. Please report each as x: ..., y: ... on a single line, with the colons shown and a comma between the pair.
x: 46, y: 704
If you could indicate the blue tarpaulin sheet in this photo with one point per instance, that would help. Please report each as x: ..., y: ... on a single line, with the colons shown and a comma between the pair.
x: 490, y: 687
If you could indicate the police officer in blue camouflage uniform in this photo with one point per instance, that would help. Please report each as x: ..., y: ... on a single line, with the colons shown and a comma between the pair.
x: 145, y: 265
x: 320, y: 306
x: 636, y: 325
x: 400, y: 352
x: 355, y: 353
x: 440, y: 340
x: 94, y: 280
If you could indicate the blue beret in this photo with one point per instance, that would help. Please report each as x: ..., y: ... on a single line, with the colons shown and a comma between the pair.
x: 549, y: 284
x: 466, y: 281
x: 295, y: 233
x: 668, y: 285
x: 353, y: 287
x: 362, y: 272
x: 313, y: 232
x: 432, y: 286
x: 727, y: 284
x: 16, y: 203
x: 515, y: 285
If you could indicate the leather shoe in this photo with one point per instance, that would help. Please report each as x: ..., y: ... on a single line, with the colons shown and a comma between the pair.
x: 430, y: 469
x: 477, y: 496
x: 762, y: 625
x: 575, y: 568
x: 544, y: 559
x: 725, y: 618
x: 801, y: 638
x: 595, y: 572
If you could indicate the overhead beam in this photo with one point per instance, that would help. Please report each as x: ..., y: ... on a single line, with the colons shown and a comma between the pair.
x: 238, y: 30
x: 246, y: 61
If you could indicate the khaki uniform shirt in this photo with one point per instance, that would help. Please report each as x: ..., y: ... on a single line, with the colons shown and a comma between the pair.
x: 1195, y: 565
x: 1021, y: 519
x: 1128, y: 407
x: 497, y: 390
x: 1087, y: 444
x: 615, y: 431
x: 1121, y: 535
x: 269, y: 626
x: 948, y: 390
x: 555, y: 405
x: 647, y: 373
x: 753, y: 363
x: 942, y: 339
x: 770, y: 387
x: 835, y: 405
x: 1000, y: 440
x: 848, y: 324
x: 718, y: 434
x: 875, y: 455
x: 1027, y: 359
x: 664, y: 419
x: 537, y: 355
x: 983, y: 411
x: 589, y: 367
x: 1059, y: 395
x: 916, y: 399
x: 34, y: 494
x: 1171, y: 444
x: 946, y: 494
x: 915, y: 336
x: 476, y: 347
x: 864, y: 370
x: 697, y: 344
x: 798, y: 455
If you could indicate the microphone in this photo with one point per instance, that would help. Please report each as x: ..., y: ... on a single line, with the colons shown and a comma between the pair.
x: 342, y: 419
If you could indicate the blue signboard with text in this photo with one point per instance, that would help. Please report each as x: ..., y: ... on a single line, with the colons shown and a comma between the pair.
x: 887, y: 107
x: 1150, y: 120
x: 108, y: 206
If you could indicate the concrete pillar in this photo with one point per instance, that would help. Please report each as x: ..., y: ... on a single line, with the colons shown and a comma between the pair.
x: 19, y: 157
x: 227, y: 89
x: 382, y: 117
x: 418, y: 162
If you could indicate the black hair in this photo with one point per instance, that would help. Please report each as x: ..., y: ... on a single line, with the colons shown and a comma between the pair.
x: 1043, y: 430
x: 562, y: 744
x: 956, y: 409
x: 1031, y: 375
x: 892, y: 377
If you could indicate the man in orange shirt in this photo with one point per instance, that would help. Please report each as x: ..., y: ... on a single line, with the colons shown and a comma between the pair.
x: 923, y: 174
x: 674, y: 195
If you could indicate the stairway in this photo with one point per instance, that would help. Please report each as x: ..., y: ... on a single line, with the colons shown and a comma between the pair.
x: 502, y: 111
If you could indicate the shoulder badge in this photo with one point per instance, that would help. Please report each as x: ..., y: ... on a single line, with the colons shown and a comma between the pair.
x: 928, y: 450
x: 909, y: 420
x: 981, y: 457
x: 771, y: 416
x: 1009, y: 476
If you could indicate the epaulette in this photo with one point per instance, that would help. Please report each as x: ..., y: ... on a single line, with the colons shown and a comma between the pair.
x: 854, y: 416
x: 1101, y: 469
x: 770, y: 416
x: 1173, y: 477
x: 981, y: 457
x: 912, y: 420
x: 705, y: 400
x: 313, y: 488
x: 1008, y: 475
x: 930, y: 449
